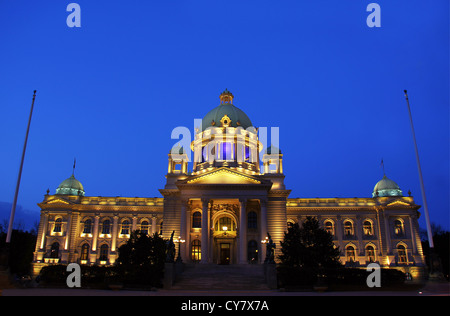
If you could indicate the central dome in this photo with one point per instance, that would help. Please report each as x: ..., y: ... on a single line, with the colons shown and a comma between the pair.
x: 226, y: 114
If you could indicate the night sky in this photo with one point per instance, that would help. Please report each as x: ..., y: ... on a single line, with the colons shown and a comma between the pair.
x: 110, y: 92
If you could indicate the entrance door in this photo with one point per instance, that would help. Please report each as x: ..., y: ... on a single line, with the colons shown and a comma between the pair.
x: 224, y: 253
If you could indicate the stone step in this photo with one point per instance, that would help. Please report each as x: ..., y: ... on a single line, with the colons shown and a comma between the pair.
x: 221, y: 277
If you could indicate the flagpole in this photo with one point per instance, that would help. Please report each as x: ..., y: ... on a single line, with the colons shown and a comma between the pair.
x: 13, y: 208
x: 422, y: 187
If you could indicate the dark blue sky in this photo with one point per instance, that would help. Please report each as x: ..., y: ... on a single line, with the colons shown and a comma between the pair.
x: 110, y: 92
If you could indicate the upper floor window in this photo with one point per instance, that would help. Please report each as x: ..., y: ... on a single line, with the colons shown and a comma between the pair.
x: 367, y: 228
x: 58, y: 226
x: 87, y: 226
x: 348, y: 229
x: 252, y: 221
x: 398, y: 228
x: 144, y: 228
x: 125, y: 228
x: 329, y: 227
x: 106, y: 227
x: 197, y: 220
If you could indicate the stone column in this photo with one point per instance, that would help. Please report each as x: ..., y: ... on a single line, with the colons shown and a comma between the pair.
x: 154, y: 224
x: 68, y: 231
x: 242, y: 231
x: 205, y: 231
x: 184, y: 206
x: 263, y: 228
x: 114, y: 233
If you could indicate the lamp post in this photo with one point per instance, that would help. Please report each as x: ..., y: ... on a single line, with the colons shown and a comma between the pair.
x: 179, y: 241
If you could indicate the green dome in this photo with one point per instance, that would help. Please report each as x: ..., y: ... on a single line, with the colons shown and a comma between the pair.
x: 234, y: 114
x: 70, y: 186
x: 386, y: 187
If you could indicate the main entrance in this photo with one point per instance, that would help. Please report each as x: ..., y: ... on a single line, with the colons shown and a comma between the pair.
x: 225, y: 253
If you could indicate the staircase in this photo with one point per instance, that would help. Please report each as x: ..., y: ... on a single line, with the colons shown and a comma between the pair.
x: 221, y: 277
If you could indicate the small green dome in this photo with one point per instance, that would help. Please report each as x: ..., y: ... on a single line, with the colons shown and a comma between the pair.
x: 70, y: 186
x: 386, y: 187
x: 233, y: 113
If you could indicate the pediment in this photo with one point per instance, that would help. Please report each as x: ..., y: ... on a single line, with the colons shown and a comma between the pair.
x: 223, y: 176
x: 58, y: 201
x: 398, y: 203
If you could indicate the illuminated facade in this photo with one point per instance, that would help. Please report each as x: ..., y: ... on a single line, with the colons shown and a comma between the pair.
x: 225, y: 206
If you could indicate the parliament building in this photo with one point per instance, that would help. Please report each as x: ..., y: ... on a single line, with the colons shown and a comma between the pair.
x: 223, y: 209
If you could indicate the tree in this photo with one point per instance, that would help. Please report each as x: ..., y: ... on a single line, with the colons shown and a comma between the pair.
x: 141, y: 260
x: 309, y: 247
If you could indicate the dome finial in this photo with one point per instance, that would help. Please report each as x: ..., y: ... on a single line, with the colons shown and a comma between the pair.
x: 226, y: 97
x: 74, y: 163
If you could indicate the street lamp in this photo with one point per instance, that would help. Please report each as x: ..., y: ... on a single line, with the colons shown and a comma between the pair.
x: 179, y: 241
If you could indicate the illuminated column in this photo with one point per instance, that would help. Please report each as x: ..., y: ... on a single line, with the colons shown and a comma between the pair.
x: 154, y: 224
x: 205, y: 231
x: 68, y: 231
x: 184, y: 206
x: 242, y: 231
x: 44, y: 230
x: 95, y: 237
x: 114, y: 233
x: 263, y: 225
x: 134, y: 224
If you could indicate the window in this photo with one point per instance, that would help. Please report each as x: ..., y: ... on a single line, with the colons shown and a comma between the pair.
x: 350, y: 251
x: 125, y: 228
x: 225, y: 222
x: 84, y: 252
x: 401, y: 250
x: 227, y: 151
x: 252, y: 251
x: 54, y: 250
x: 252, y: 221
x: 348, y: 229
x: 106, y: 227
x: 398, y: 228
x: 247, y: 153
x: 161, y: 228
x: 367, y: 228
x: 370, y: 253
x: 196, y: 251
x: 144, y: 228
x: 87, y: 226
x: 104, y: 252
x: 58, y: 225
x: 197, y: 220
x: 329, y: 228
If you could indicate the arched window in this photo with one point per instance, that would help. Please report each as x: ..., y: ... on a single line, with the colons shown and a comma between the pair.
x: 368, y: 228
x: 329, y: 227
x: 87, y: 226
x: 104, y: 252
x: 144, y: 228
x: 401, y: 250
x: 125, y: 227
x: 398, y: 228
x: 197, y: 220
x: 348, y: 229
x: 223, y: 222
x: 196, y: 250
x: 106, y: 227
x: 252, y: 251
x: 350, y: 252
x: 370, y: 253
x: 252, y: 221
x: 58, y: 225
x: 84, y: 252
x: 54, y: 250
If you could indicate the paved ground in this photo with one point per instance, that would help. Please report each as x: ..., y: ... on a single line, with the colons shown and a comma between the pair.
x: 430, y: 289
